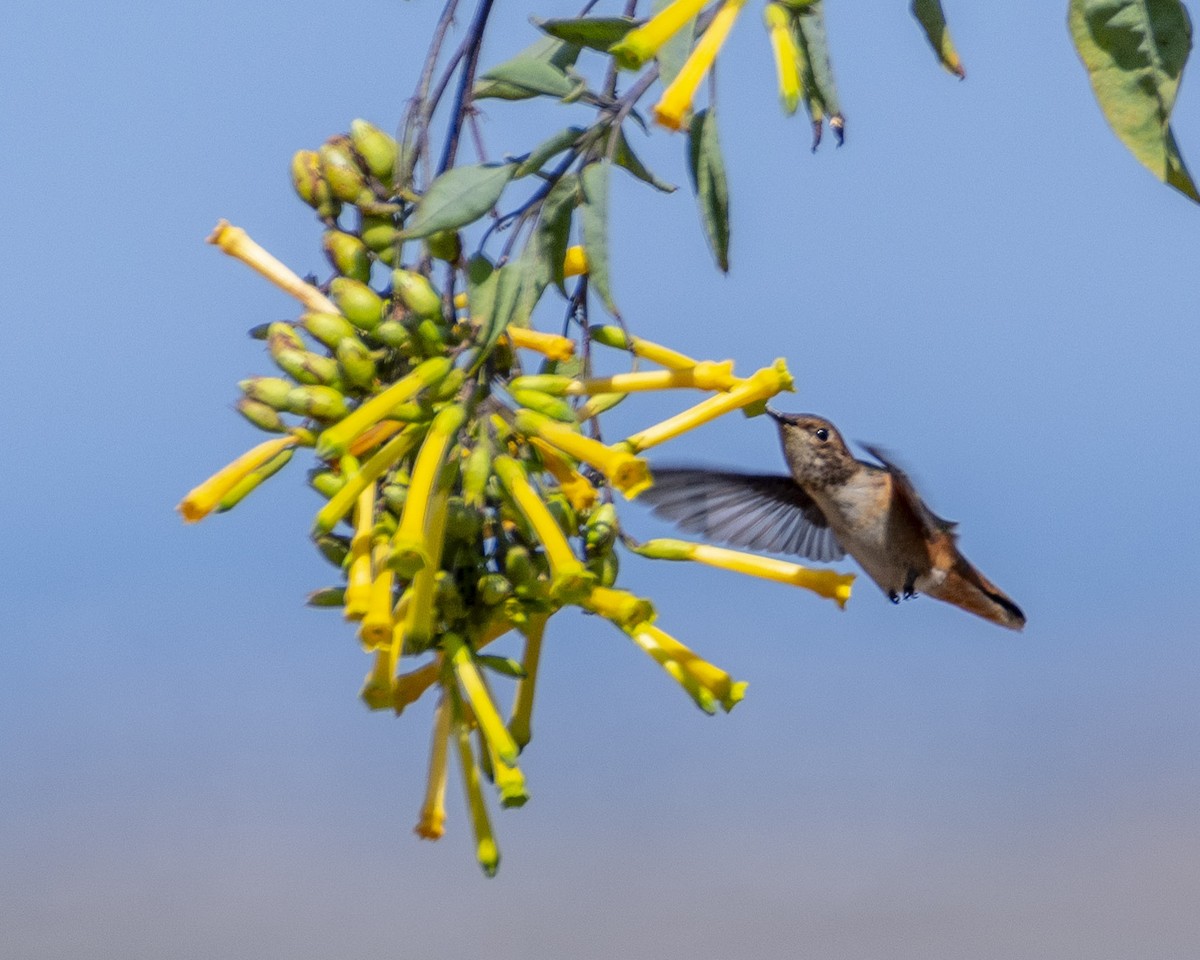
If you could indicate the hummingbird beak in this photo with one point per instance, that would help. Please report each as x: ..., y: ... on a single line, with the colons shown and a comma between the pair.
x: 776, y: 415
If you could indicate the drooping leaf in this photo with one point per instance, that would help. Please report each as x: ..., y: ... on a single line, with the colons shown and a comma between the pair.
x: 596, y: 33
x: 506, y: 292
x: 559, y: 56
x: 626, y: 158
x: 820, y: 93
x: 459, y: 196
x: 1135, y: 52
x: 554, y: 225
x: 708, y: 178
x: 552, y: 147
x: 933, y: 21
x: 672, y: 54
x: 594, y: 179
x: 481, y: 285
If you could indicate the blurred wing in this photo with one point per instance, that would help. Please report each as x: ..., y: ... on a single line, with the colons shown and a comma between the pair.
x: 755, y: 511
x: 929, y: 521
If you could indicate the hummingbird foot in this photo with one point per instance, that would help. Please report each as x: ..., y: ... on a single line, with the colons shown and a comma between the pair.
x: 893, y: 596
x: 910, y: 585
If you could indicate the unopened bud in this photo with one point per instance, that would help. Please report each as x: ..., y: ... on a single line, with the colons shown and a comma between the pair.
x: 605, y: 567
x: 361, y: 305
x: 329, y: 329
x: 347, y: 255
x: 258, y: 331
x: 358, y: 366
x: 333, y: 547
x: 272, y: 391
x: 493, y: 588
x: 262, y: 415
x: 323, y: 403
x: 378, y: 233
x: 394, y: 496
x: 327, y: 597
x: 340, y: 170
x: 417, y: 293
x: 377, y: 149
x: 306, y: 175
x: 392, y: 333
x: 601, y: 530
x: 551, y: 383
x: 304, y: 366
x: 444, y: 245
x: 281, y: 336
x: 326, y: 482
x: 555, y: 407
x: 449, y: 600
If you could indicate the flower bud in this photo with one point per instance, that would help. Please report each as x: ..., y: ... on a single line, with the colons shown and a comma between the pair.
x: 358, y: 366
x: 551, y: 383
x: 258, y: 331
x: 282, y: 336
x: 430, y: 338
x: 476, y: 471
x: 392, y: 333
x: 361, y: 305
x: 555, y: 407
x: 449, y: 600
x: 306, y: 176
x: 272, y: 391
x: 493, y: 588
x: 601, y: 530
x: 347, y: 255
x: 329, y: 329
x: 378, y: 233
x: 306, y: 367
x: 417, y: 293
x: 326, y: 597
x: 326, y: 482
x: 340, y: 170
x: 447, y: 388
x: 605, y: 567
x: 444, y: 245
x: 333, y: 547
x: 377, y: 149
x: 323, y: 403
x: 263, y: 416
x: 394, y: 496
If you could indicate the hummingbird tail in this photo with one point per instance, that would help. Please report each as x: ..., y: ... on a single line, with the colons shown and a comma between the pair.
x: 969, y: 589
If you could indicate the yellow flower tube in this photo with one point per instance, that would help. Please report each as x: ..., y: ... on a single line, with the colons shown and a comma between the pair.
x: 619, y: 606
x: 376, y: 627
x: 676, y: 102
x: 340, y: 503
x: 334, y: 440
x: 787, y: 56
x: 473, y: 685
x: 358, y: 575
x: 520, y: 723
x: 550, y: 345
x: 569, y: 579
x: 629, y: 474
x: 410, y: 686
x: 432, y: 821
x: 418, y: 624
x: 575, y: 263
x: 701, y: 695
x: 411, y: 546
x: 762, y: 386
x: 486, y: 851
x: 727, y: 691
x: 705, y: 375
x: 639, y: 45
x: 826, y: 583
x: 202, y: 500
x: 616, y: 338
x: 237, y: 243
x: 575, y: 486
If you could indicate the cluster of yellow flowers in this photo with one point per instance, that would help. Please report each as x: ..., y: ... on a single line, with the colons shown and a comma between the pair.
x: 464, y: 498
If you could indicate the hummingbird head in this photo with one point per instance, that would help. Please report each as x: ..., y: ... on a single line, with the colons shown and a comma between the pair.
x: 815, y: 451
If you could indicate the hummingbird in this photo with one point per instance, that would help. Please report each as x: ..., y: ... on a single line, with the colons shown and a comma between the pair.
x: 833, y: 504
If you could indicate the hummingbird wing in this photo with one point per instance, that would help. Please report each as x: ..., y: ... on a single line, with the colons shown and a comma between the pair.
x: 757, y: 511
x: 930, y: 523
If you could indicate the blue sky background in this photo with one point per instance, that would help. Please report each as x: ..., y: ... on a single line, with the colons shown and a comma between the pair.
x: 981, y: 279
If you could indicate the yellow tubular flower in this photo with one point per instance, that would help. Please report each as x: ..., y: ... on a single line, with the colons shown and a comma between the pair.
x: 676, y: 102
x: 432, y: 822
x: 411, y: 546
x: 418, y: 624
x: 570, y: 580
x: 619, y: 606
x: 787, y: 56
x: 376, y: 627
x: 629, y: 474
x: 358, y: 575
x: 575, y: 263
x: 827, y: 583
x: 616, y: 338
x: 550, y: 345
x: 372, y: 437
x: 486, y: 851
x: 574, y: 485
x: 473, y: 685
x: 716, y: 681
x: 706, y: 375
x: 641, y: 44
x: 237, y: 243
x: 762, y: 386
x: 379, y: 689
x: 520, y: 724
x: 510, y: 783
x: 336, y: 439
x: 202, y: 500
x: 341, y: 502
x: 702, y: 696
x: 409, y: 687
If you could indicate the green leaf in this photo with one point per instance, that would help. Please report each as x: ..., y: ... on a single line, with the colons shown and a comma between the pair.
x: 596, y: 33
x: 933, y: 21
x: 532, y: 77
x: 481, y: 285
x: 507, y: 290
x: 594, y: 179
x: 459, y: 196
x: 708, y: 178
x: 672, y: 54
x: 561, y: 56
x: 504, y: 665
x: 554, y: 225
x: 820, y: 92
x: 626, y: 158
x: 552, y: 147
x: 1135, y: 52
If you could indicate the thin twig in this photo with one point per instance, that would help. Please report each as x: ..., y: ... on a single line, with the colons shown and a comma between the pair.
x: 466, y: 80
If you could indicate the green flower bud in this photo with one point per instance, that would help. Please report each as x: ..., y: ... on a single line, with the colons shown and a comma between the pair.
x: 493, y: 588
x: 333, y: 548
x: 283, y: 336
x: 272, y: 391
x: 462, y: 523
x: 563, y: 513
x: 551, y: 383
x: 258, y: 331
x: 555, y: 407
x: 327, y: 597
x: 392, y: 333
x: 358, y: 366
x: 518, y: 567
x: 477, y: 470
x: 378, y: 150
x: 605, y: 568
x: 306, y: 367
x: 444, y: 245
x: 610, y: 336
x: 417, y: 293
x: 378, y: 232
x: 447, y: 388
x: 326, y: 482
x: 347, y: 254
x: 361, y: 305
x: 394, y: 496
x: 306, y: 176
x: 600, y: 531
x: 262, y: 415
x: 340, y: 170
x: 323, y: 403
x: 329, y: 329
x: 431, y: 338
x: 449, y: 600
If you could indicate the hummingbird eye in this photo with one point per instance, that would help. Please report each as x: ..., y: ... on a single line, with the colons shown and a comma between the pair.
x: 821, y: 434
